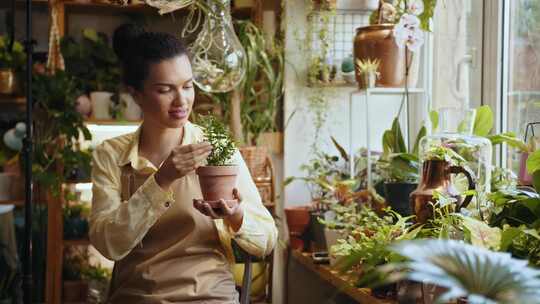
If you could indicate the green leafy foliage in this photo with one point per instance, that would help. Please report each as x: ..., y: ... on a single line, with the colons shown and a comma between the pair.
x: 397, y: 164
x: 92, y: 61
x: 11, y: 58
x: 483, y: 122
x: 223, y: 147
x: 367, y: 245
x: 58, y: 129
x: 262, y: 86
x: 480, y: 275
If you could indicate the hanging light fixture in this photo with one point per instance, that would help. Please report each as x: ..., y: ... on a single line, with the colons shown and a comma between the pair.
x: 219, y: 60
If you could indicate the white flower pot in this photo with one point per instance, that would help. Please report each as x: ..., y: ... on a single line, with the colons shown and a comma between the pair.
x: 364, y: 5
x: 349, y: 77
x: 101, y: 103
x: 6, y: 180
x: 130, y: 109
x: 331, y: 236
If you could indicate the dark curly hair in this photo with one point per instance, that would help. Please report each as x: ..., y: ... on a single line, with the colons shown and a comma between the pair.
x: 137, y: 49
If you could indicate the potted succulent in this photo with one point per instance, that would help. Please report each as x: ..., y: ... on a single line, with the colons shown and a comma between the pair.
x: 12, y: 59
x: 395, y: 33
x: 399, y: 168
x: 368, y: 71
x: 218, y: 177
x: 347, y: 69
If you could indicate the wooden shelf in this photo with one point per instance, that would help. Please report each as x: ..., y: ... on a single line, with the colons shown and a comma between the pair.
x: 361, y: 295
x: 17, y: 203
x: 12, y: 100
x: 112, y: 122
x: 77, y: 242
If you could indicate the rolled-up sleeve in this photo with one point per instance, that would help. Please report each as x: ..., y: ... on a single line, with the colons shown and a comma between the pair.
x: 117, y: 226
x: 258, y: 233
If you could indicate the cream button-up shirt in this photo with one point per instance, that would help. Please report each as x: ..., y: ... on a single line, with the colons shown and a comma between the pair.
x: 117, y: 225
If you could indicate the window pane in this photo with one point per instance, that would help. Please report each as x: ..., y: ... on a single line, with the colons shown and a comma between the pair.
x: 523, y: 70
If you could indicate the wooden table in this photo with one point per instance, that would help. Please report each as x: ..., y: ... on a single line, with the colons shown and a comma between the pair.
x: 340, y: 282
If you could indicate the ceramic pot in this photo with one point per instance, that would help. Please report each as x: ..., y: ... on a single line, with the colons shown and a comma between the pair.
x: 377, y: 42
x: 436, y: 176
x: 130, y: 110
x: 332, y: 236
x: 101, y: 103
x: 7, y: 81
x: 397, y: 195
x: 524, y: 177
x: 84, y: 105
x: 217, y: 182
x: 316, y: 232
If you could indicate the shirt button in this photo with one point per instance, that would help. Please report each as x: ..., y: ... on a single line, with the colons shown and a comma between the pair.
x: 167, y: 204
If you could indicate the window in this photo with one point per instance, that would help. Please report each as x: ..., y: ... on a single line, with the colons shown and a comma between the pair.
x: 521, y: 71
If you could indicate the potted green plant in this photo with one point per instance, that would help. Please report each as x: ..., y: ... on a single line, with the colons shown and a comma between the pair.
x: 95, y: 66
x: 75, y: 221
x: 12, y: 60
x: 467, y: 273
x: 58, y: 127
x: 399, y: 168
x: 75, y: 264
x: 368, y: 70
x: 347, y: 69
x: 218, y: 177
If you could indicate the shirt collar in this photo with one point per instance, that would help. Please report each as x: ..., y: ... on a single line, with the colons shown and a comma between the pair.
x: 131, y: 154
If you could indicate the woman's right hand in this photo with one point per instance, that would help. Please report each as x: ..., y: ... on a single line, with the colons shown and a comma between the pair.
x: 182, y: 161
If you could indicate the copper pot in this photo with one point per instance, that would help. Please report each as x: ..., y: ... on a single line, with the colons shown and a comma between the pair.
x: 7, y: 81
x: 377, y: 42
x: 436, y: 177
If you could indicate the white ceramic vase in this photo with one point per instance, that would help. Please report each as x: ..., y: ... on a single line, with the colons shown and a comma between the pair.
x: 130, y: 109
x: 101, y: 103
x: 331, y: 236
x: 363, y: 5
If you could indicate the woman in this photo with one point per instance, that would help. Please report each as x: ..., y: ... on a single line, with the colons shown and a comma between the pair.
x: 167, y: 246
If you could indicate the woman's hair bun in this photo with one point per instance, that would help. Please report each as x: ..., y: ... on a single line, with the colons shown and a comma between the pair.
x: 124, y: 38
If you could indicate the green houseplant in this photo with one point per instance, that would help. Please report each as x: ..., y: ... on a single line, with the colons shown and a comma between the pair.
x: 58, y: 127
x: 218, y: 177
x: 399, y: 167
x: 466, y: 271
x: 12, y: 60
x: 94, y: 65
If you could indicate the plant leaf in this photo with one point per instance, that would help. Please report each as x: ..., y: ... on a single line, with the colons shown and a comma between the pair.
x: 434, y: 118
x: 341, y: 150
x: 483, y: 122
x: 533, y: 162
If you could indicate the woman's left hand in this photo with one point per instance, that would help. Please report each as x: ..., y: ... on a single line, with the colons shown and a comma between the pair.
x: 232, y: 213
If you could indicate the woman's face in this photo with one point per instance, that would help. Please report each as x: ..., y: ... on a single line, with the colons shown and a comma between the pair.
x: 167, y: 95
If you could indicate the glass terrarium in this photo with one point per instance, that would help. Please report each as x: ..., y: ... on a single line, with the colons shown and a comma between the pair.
x: 457, y: 158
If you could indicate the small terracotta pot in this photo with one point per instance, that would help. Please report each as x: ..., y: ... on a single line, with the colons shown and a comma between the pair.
x: 217, y: 182
x: 297, y: 219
